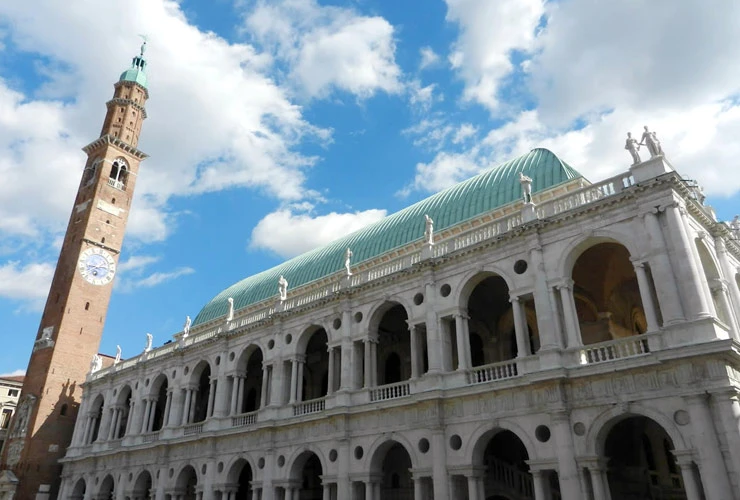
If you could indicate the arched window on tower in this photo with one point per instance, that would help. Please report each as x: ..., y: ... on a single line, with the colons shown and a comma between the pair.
x: 118, y: 174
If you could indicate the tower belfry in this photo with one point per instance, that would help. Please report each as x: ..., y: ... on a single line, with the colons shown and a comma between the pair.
x: 73, y: 318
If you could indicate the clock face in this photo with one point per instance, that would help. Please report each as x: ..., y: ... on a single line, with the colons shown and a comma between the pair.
x: 97, y: 266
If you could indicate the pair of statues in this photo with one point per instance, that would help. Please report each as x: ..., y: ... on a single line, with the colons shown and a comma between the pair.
x: 649, y: 140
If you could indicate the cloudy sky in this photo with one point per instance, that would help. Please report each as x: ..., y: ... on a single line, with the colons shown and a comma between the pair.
x: 277, y: 125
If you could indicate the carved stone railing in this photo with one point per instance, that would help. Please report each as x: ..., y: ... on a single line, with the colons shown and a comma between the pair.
x: 244, y: 419
x: 628, y: 347
x: 114, y: 444
x: 493, y: 371
x: 381, y: 267
x: 192, y: 429
x: 116, y: 184
x: 312, y: 406
x: 150, y: 437
x: 390, y: 391
x: 502, y: 477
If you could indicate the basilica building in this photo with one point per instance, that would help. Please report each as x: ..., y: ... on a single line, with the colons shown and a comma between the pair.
x: 524, y: 335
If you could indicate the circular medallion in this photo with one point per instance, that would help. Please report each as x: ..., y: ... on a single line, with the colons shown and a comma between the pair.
x: 97, y: 266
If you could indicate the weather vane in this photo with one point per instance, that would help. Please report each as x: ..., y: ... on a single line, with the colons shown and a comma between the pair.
x: 143, y: 45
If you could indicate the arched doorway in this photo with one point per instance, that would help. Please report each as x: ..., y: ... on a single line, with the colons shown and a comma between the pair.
x: 504, y: 458
x: 201, y: 398
x: 491, y: 323
x: 124, y: 402
x: 250, y: 364
x: 640, y: 462
x: 143, y: 487
x: 187, y: 481
x: 97, y: 415
x: 159, y: 389
x: 394, y: 345
x: 396, y: 473
x: 315, y: 381
x: 106, y: 489
x: 607, y: 294
x: 307, y: 470
x: 78, y: 492
x: 240, y: 476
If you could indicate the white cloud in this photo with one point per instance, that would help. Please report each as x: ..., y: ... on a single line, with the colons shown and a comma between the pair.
x: 428, y: 58
x: 15, y: 373
x: 136, y: 263
x: 158, y: 278
x: 28, y: 283
x: 288, y: 233
x: 489, y: 32
x: 422, y: 97
x: 328, y: 47
x: 443, y: 171
x: 216, y: 119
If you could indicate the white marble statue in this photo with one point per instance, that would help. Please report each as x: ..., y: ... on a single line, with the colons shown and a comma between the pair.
x: 348, y: 261
x: 633, y: 147
x: 46, y: 333
x: 283, y: 288
x: 186, y: 326
x: 118, y: 355
x: 428, y: 230
x: 735, y: 226
x: 96, y: 364
x: 526, y: 183
x: 650, y: 140
x: 149, y: 339
x: 230, y: 315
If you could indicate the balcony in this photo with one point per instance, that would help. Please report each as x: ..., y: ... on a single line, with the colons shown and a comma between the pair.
x: 390, y: 391
x: 117, y: 184
x: 494, y: 371
x: 629, y: 347
x: 244, y: 419
x: 307, y: 407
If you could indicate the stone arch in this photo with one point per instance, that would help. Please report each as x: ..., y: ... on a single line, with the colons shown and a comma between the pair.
x: 107, y: 488
x: 376, y: 312
x: 123, y: 401
x: 143, y: 486
x: 187, y: 481
x: 250, y: 364
x: 603, y: 424
x: 393, y: 462
x: 714, y: 279
x: 480, y: 437
x: 79, y: 489
x: 96, y: 412
x: 234, y: 465
x: 389, y: 326
x: 580, y: 244
x: 308, y: 468
x: 299, y: 457
x: 504, y: 456
x: 314, y: 374
x: 305, y: 336
x: 200, y: 377
x: 606, y: 292
x: 241, y: 475
x: 473, y: 278
x: 381, y: 446
x: 158, y: 390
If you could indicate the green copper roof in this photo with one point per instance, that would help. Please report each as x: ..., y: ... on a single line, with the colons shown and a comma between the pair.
x: 475, y: 196
x: 136, y: 72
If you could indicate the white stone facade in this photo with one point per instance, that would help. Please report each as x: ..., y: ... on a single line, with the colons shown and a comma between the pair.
x: 597, y: 360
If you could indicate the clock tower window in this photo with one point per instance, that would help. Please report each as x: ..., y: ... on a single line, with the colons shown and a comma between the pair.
x: 118, y: 174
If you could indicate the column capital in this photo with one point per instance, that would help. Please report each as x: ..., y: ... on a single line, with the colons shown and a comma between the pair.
x: 461, y: 313
x: 564, y: 284
x: 514, y: 298
x: 684, y: 458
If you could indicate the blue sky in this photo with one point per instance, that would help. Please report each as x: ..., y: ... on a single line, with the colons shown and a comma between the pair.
x: 276, y: 126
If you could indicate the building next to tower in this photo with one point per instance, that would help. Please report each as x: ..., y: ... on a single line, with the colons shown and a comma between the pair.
x: 525, y: 334
x: 73, y: 318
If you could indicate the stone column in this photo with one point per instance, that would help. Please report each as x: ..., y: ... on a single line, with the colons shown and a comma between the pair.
x: 600, y: 485
x: 222, y: 391
x: 368, y: 363
x: 369, y: 490
x: 239, y: 393
x: 147, y: 415
x: 546, y: 320
x: 418, y: 488
x: 663, y: 274
x: 299, y: 388
x: 570, y: 486
x: 211, y: 397
x: 234, y: 394
x: 326, y: 491
x: 186, y: 407
x: 711, y: 464
x: 556, y: 320
x: 263, y: 390
x: 176, y: 407
x: 374, y: 362
x: 728, y: 272
x: 113, y: 412
x: 474, y: 487
x: 330, y: 381
x: 686, y: 267
x: 414, y: 352
x: 131, y: 413
x: 520, y: 328
x: 690, y: 484
x: 152, y: 413
x: 440, y: 478
x: 435, y: 345
x: 646, y: 296
x: 727, y: 405
x: 572, y: 327
x: 463, y: 347
x: 539, y: 481
x: 167, y: 409
x: 345, y: 375
x: 720, y: 290
x: 293, y: 381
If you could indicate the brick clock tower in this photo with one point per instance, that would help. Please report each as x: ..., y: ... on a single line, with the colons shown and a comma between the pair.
x: 72, y: 323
